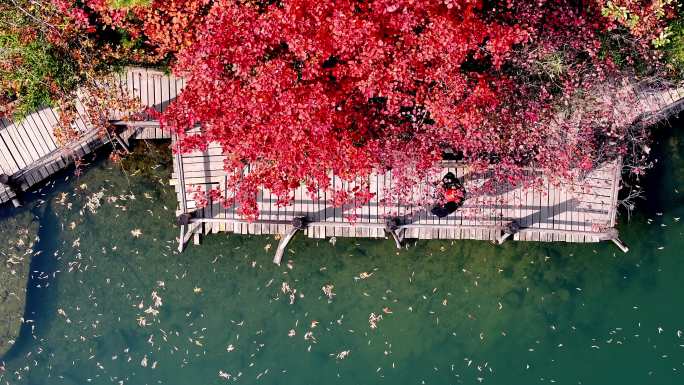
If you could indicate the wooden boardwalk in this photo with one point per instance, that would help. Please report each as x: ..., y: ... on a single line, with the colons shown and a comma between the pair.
x: 30, y: 152
x: 582, y: 212
x: 569, y: 213
x: 153, y: 89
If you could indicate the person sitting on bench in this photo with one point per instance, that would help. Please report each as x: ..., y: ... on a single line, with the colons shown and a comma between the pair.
x: 453, y: 196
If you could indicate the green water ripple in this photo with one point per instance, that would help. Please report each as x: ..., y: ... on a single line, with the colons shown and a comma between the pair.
x: 454, y: 312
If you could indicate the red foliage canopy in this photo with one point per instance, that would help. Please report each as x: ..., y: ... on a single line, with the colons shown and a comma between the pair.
x: 300, y: 88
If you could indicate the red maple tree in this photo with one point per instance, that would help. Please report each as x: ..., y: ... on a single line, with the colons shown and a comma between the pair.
x: 298, y: 89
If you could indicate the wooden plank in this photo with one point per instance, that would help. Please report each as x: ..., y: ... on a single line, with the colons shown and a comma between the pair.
x: 23, y: 136
x: 148, y: 79
x: 13, y: 158
x: 141, y: 87
x: 16, y: 144
x: 580, y: 215
x: 34, y: 136
x: 158, y: 100
x: 43, y: 170
x: 374, y: 206
x: 382, y: 195
x: 12, y: 161
x: 572, y: 210
x: 131, y: 89
x: 545, y: 205
x: 525, y: 201
x: 467, y: 218
x: 165, y: 92
x: 31, y: 139
x: 460, y: 174
x: 53, y: 117
x: 612, y: 214
x: 567, y: 204
x: 554, y: 202
x: 673, y: 95
x: 6, y: 167
x: 45, y: 117
x: 156, y: 85
x: 82, y: 120
x: 117, y: 81
x: 44, y: 129
x: 178, y: 86
x: 173, y: 90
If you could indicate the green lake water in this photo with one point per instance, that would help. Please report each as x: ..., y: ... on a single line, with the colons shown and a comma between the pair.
x: 462, y: 312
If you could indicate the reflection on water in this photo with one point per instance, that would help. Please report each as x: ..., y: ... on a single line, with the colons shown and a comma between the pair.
x: 112, y: 305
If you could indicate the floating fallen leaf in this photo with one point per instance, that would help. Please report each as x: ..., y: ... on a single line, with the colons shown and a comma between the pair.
x: 152, y: 311
x: 142, y: 321
x: 365, y: 275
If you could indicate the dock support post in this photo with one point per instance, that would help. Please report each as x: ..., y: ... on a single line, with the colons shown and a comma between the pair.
x: 612, y: 235
x: 183, y: 221
x: 298, y: 223
x: 393, y: 226
x: 398, y: 238
x: 503, y: 237
x: 121, y: 142
x: 510, y: 229
x: 620, y: 244
x: 181, y: 239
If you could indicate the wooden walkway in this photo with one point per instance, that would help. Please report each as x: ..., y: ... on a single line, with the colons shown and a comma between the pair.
x: 568, y: 213
x: 153, y: 89
x: 30, y: 153
x: 584, y: 212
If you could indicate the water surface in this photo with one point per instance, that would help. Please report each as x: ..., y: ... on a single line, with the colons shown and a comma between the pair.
x: 462, y: 312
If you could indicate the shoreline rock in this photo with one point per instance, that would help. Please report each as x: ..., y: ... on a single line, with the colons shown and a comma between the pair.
x: 18, y: 235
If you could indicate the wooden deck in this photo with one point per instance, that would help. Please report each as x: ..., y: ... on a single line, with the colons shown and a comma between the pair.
x: 568, y: 213
x: 584, y: 212
x: 153, y: 89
